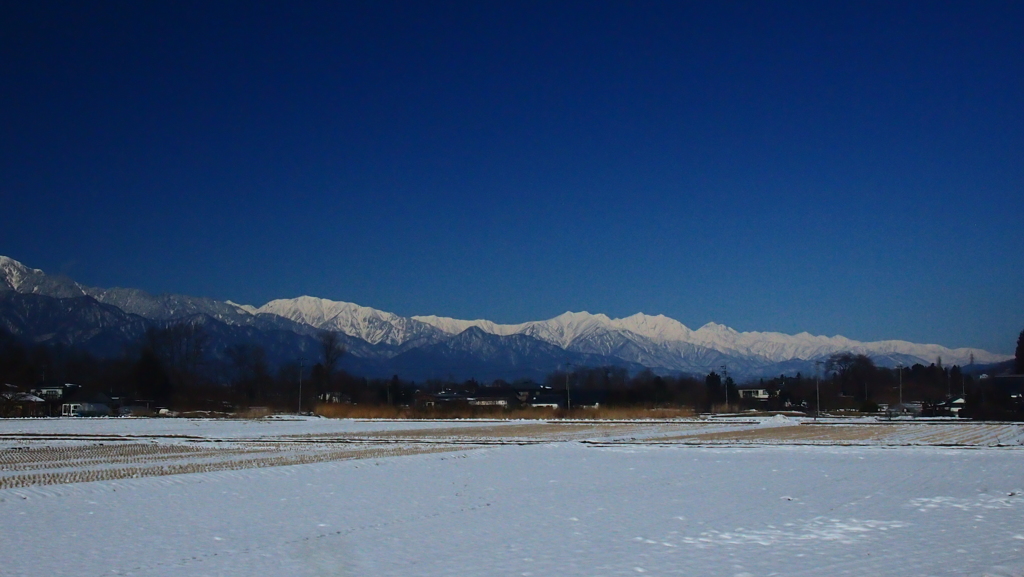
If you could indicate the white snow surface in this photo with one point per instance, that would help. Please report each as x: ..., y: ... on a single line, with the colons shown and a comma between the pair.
x: 563, y: 509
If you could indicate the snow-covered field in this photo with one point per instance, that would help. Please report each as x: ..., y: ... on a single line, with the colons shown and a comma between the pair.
x: 329, y: 497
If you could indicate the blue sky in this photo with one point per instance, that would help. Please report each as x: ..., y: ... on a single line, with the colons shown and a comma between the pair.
x: 839, y: 168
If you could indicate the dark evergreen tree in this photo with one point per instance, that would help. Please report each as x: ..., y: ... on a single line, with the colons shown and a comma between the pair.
x: 252, y: 374
x: 713, y: 382
x: 1019, y: 355
x: 151, y: 378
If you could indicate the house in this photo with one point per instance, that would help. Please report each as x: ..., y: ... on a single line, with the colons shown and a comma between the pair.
x: 954, y: 405
x: 904, y: 410
x: 547, y: 401
x: 753, y: 393
x: 500, y: 396
x: 577, y: 399
x: 488, y: 402
x: 49, y: 392
x: 54, y: 393
x: 15, y: 404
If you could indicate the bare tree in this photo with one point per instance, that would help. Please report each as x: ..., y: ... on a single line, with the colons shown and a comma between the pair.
x: 252, y: 374
x: 854, y: 370
x: 1018, y: 355
x: 179, y: 349
x: 840, y: 363
x: 332, y: 350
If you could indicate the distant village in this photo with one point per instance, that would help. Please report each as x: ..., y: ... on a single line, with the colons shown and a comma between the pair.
x: 577, y: 393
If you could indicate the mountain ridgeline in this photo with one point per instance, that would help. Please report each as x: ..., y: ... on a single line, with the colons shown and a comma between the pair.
x: 41, y: 308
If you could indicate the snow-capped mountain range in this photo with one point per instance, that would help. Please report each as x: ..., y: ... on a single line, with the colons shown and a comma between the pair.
x: 657, y: 342
x: 371, y: 325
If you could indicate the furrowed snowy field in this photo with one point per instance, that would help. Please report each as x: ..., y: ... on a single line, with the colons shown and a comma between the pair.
x: 334, y: 497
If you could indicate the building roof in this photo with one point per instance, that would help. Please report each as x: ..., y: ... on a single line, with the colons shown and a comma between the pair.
x: 22, y: 398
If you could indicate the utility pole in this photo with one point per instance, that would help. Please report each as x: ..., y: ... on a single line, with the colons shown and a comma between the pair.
x: 949, y: 386
x: 817, y: 388
x: 899, y: 367
x: 963, y: 382
x: 568, y: 395
x: 725, y: 380
x: 301, y: 361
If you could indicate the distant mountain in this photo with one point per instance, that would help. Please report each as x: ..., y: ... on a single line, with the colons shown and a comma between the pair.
x: 47, y: 308
x: 172, y: 307
x: 371, y: 325
x: 168, y: 307
x: 17, y: 277
x: 107, y: 331
x: 662, y: 342
x: 476, y: 353
x: 79, y: 321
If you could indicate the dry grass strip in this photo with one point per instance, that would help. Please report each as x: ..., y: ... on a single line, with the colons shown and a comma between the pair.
x: 559, y: 431
x: 343, y: 411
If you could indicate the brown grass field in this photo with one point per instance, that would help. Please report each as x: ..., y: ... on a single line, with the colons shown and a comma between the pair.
x: 345, y: 411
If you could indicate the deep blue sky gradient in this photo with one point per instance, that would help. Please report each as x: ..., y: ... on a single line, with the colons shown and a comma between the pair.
x: 840, y: 168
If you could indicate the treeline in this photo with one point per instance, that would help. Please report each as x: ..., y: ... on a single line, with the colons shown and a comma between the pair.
x: 171, y: 367
x: 174, y: 368
x: 646, y: 389
x: 853, y: 382
x: 168, y: 367
x: 848, y: 381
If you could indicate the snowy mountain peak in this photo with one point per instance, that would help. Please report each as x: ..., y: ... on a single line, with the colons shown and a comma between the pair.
x: 318, y: 312
x: 561, y: 330
x: 654, y: 341
x: 668, y: 343
x: 244, y: 308
x: 17, y: 277
x: 369, y: 324
x: 455, y: 326
x: 658, y: 328
x: 716, y: 328
x: 566, y: 327
x: 13, y: 273
x: 582, y: 316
